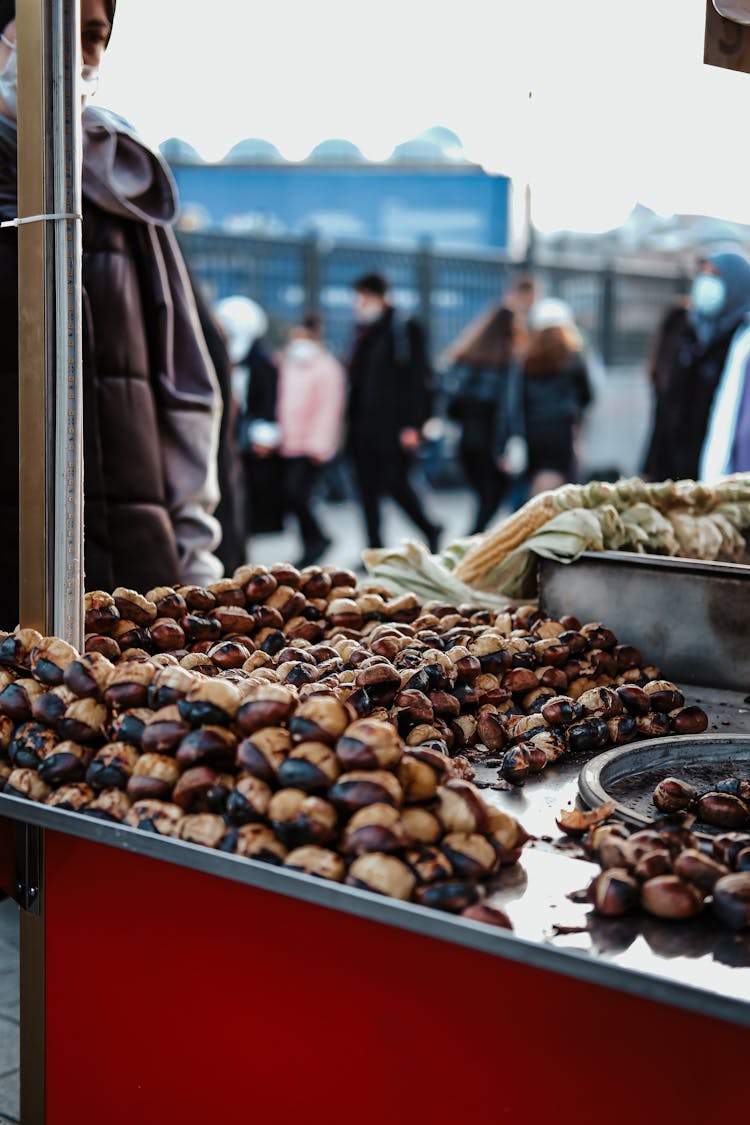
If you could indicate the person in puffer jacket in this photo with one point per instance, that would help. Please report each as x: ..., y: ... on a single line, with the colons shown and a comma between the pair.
x: 310, y: 413
x: 151, y: 403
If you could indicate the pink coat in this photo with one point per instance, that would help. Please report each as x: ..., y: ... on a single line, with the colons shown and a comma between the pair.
x: 310, y: 411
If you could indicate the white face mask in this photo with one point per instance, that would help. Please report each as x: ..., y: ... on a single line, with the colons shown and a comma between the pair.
x: 9, y: 79
x: 708, y: 294
x: 301, y: 350
x: 368, y: 314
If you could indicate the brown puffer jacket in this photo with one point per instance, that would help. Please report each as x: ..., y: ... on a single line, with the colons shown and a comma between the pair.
x: 151, y: 404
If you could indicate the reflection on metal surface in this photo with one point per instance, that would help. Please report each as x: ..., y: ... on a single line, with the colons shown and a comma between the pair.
x: 737, y: 10
x: 702, y: 642
x: 629, y: 774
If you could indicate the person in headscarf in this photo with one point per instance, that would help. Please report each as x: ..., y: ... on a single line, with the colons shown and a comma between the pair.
x: 719, y: 306
x: 151, y: 404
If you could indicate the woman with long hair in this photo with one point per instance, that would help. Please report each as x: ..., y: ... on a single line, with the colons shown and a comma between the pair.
x: 556, y: 392
x: 486, y: 401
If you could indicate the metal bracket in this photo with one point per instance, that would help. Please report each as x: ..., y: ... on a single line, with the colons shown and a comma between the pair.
x: 28, y: 867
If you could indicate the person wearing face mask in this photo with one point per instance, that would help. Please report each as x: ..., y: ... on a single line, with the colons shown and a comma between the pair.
x: 151, y: 406
x: 697, y: 356
x: 389, y: 403
x: 312, y: 390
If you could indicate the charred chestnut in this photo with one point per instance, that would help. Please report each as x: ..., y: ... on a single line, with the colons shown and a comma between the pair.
x: 731, y: 900
x: 164, y: 731
x: 461, y: 808
x: 375, y: 828
x: 359, y: 788
x: 154, y: 816
x: 210, y: 702
x: 267, y: 705
x: 321, y: 719
x: 369, y: 744
x: 210, y: 746
x: 664, y: 696
x: 50, y: 659
x: 674, y: 795
x: 722, y: 810
x: 83, y: 721
x: 299, y: 818
x: 74, y: 798
x: 383, y: 874
x: 263, y: 753
x: 614, y: 892
x: 30, y: 744
x: 320, y: 862
x: 112, y: 766
x: 254, y: 841
x: 64, y: 763
x: 26, y: 783
x: 472, y: 856
x: 455, y: 897
x: 311, y: 766
x: 128, y: 685
x: 202, y: 789
x: 110, y: 804
x: 153, y: 776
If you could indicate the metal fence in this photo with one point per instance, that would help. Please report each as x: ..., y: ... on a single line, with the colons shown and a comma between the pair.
x: 617, y: 307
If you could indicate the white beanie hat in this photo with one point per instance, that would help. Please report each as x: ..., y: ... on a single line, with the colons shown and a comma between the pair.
x: 244, y: 322
x: 550, y: 313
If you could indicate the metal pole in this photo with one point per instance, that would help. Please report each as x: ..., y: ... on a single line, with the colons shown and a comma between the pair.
x: 50, y: 419
x: 49, y: 269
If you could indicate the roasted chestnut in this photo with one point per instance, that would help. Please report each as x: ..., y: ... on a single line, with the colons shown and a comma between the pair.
x: 722, y: 810
x: 320, y: 719
x: 634, y: 699
x: 154, y: 816
x: 299, y: 818
x: 472, y: 856
x: 164, y: 731
x: 311, y: 766
x: 110, y: 804
x: 30, y: 744
x: 667, y: 896
x: 265, y: 705
x: 454, y: 897
x: 674, y: 795
x: 254, y: 841
x: 614, y: 892
x: 210, y: 702
x: 128, y: 726
x: 87, y: 676
x: 461, y: 808
x: 699, y: 869
x: 17, y: 699
x: 49, y: 707
x: 369, y: 744
x: 383, y: 874
x: 211, y: 746
x: 731, y: 900
x: 167, y: 601
x: 688, y: 720
x: 202, y: 789
x: 100, y: 612
x: 515, y: 766
x: 488, y: 915
x: 321, y: 862
x: 664, y: 696
x: 154, y: 776
x: 74, y: 798
x: 128, y: 685
x: 112, y: 766
x: 134, y: 607
x: 50, y: 659
x: 26, y: 783
x: 83, y: 721
x: 561, y: 710
x: 421, y: 825
x: 359, y: 788
x: 430, y: 865
x: 248, y: 801
x: 167, y: 635
x: 201, y: 828
x: 64, y: 763
x: 375, y: 828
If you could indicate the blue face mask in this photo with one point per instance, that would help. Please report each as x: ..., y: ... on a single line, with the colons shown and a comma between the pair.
x: 708, y: 295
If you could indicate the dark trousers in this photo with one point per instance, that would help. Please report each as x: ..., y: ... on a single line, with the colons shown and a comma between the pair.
x: 385, y: 472
x: 486, y: 481
x: 299, y: 477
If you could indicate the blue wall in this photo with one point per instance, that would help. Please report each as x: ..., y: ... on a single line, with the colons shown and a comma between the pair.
x: 454, y: 206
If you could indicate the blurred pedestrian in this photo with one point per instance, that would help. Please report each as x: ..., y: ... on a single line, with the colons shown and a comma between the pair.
x: 719, y: 308
x: 389, y: 402
x: 311, y: 402
x: 556, y: 392
x: 487, y: 402
x: 727, y: 446
x: 669, y: 337
x: 151, y: 407
x: 255, y: 381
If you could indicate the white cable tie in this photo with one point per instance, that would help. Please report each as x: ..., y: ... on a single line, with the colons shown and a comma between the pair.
x: 39, y: 219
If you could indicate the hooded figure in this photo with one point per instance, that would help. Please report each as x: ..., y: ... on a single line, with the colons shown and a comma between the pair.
x: 720, y: 302
x: 151, y: 408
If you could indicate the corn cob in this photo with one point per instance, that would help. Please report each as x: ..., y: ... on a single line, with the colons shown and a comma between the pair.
x: 511, y: 534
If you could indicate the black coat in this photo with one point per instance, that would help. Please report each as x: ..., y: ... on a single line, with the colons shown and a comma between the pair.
x: 684, y: 395
x: 487, y: 402
x: 389, y: 382
x: 149, y: 393
x: 264, y: 509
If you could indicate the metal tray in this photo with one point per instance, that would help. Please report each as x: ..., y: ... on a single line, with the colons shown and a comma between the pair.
x: 691, y: 618
x: 628, y: 774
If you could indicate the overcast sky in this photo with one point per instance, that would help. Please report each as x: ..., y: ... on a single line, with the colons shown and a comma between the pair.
x: 621, y: 110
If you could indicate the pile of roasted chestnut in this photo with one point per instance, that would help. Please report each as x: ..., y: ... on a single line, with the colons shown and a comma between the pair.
x: 294, y: 717
x: 724, y: 805
x: 668, y: 872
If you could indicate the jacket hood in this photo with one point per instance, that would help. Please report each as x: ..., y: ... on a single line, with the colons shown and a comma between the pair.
x: 121, y: 175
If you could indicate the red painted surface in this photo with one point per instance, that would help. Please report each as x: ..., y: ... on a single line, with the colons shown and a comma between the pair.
x: 176, y: 997
x: 7, y: 882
